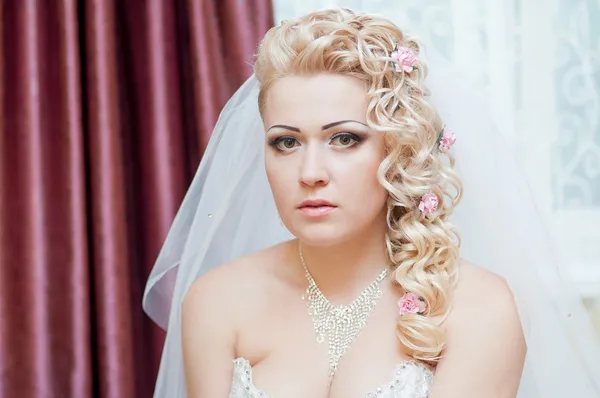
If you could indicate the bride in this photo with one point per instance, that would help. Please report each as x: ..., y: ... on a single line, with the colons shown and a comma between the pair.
x: 321, y: 250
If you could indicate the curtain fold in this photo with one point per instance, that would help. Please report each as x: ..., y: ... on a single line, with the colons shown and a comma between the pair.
x: 112, y: 321
x: 45, y: 328
x: 105, y: 109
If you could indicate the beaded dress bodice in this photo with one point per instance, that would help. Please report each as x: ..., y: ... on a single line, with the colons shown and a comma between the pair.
x: 410, y: 380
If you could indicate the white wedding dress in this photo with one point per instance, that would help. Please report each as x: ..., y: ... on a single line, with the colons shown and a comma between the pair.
x: 410, y: 379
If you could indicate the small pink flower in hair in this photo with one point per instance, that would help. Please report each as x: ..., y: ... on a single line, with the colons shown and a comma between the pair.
x: 447, y: 139
x: 404, y: 59
x: 429, y: 203
x: 410, y: 303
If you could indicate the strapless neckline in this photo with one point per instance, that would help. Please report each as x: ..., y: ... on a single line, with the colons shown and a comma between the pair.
x: 410, y: 379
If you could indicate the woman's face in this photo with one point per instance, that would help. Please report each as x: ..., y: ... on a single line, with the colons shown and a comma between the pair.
x: 322, y: 158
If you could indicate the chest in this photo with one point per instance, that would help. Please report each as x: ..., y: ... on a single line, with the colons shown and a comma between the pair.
x: 410, y: 380
x: 287, y: 359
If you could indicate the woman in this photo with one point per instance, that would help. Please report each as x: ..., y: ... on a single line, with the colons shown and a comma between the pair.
x: 370, y: 297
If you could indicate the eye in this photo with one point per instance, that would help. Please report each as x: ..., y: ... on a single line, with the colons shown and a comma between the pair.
x: 288, y: 142
x: 283, y: 143
x: 345, y: 139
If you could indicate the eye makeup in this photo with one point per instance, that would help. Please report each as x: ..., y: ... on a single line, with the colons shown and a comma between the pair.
x: 342, y: 140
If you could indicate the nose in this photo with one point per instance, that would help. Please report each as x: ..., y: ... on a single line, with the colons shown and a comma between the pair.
x: 313, y: 170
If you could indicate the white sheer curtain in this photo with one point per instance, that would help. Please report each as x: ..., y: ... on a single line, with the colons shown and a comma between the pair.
x: 540, y: 64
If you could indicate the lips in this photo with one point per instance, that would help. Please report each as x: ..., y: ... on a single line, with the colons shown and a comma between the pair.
x: 315, y: 203
x: 316, y: 207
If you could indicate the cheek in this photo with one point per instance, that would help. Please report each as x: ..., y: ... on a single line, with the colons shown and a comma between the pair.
x: 280, y: 180
x: 360, y: 177
x: 371, y: 197
x: 366, y: 186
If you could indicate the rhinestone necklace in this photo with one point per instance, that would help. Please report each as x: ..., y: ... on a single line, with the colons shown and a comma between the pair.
x: 339, y: 324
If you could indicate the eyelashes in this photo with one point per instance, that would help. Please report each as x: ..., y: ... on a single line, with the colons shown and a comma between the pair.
x: 288, y: 143
x: 343, y: 140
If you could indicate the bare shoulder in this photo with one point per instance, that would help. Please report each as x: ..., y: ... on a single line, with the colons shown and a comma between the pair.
x: 211, y: 313
x: 242, y: 280
x: 480, y: 294
x: 477, y: 282
x: 485, y: 347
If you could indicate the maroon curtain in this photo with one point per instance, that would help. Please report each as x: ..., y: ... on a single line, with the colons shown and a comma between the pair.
x: 105, y: 108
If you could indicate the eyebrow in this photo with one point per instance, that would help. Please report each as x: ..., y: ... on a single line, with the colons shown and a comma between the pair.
x: 324, y: 127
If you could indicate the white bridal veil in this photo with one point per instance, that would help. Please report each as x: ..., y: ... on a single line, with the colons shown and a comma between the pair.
x: 229, y: 211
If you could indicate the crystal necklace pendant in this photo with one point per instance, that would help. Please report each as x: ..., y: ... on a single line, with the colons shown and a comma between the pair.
x: 339, y: 325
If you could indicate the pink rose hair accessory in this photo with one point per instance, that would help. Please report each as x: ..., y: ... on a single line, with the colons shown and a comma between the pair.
x: 446, y: 139
x: 404, y: 59
x: 410, y: 303
x: 429, y: 203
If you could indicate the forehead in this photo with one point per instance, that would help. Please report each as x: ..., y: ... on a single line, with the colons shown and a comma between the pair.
x: 315, y: 100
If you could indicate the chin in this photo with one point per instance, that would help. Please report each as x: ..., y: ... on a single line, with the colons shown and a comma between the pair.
x: 322, y: 234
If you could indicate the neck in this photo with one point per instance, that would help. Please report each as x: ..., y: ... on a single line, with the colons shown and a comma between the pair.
x: 344, y: 270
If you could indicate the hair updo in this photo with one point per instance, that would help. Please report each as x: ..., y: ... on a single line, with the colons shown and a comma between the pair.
x: 424, y: 250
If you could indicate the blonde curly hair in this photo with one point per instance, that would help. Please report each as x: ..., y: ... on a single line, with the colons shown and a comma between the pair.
x: 424, y: 250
